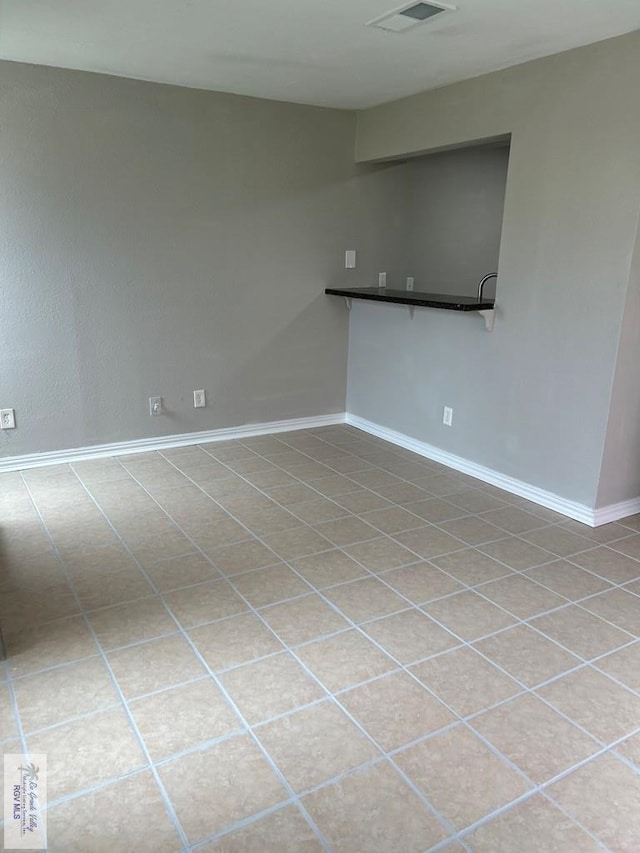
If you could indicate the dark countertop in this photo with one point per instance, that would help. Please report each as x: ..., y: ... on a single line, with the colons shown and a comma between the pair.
x: 412, y: 297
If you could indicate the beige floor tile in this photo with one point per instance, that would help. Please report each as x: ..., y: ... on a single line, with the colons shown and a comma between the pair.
x: 344, y: 660
x: 365, y: 599
x: 153, y: 665
x: 319, y: 510
x: 624, y: 665
x: 315, y: 744
x: 271, y: 520
x: 403, y: 493
x: 93, y: 822
x: 84, y: 538
x: 205, y: 602
x: 299, y: 542
x: 234, y: 641
x: 568, y: 580
x: 177, y: 572
x: 96, y: 590
x: 603, y: 534
x: 328, y: 568
x: 534, y: 737
x: 630, y: 749
x: 347, y: 531
x: 283, y: 831
x: 42, y: 572
x: 617, y: 606
x: 303, y: 619
x: 604, y: 797
x: 558, y: 541
x: 270, y: 687
x: 632, y: 522
x: 395, y: 519
x: 183, y: 717
x: 435, y: 510
x: 37, y: 603
x: 465, y: 681
x: 243, y: 557
x: 474, y: 500
x: 171, y: 544
x: 513, y: 519
x: 363, y: 502
x: 609, y: 564
x: 379, y: 555
x: 410, y: 636
x: 630, y: 546
x: 472, y: 529
x: 209, y: 537
x: 468, y: 615
x: 520, y: 596
x: 527, y: 656
x: 534, y: 826
x: 517, y: 554
x: 428, y: 542
x: 452, y: 770
x: 374, y: 810
x: 240, y: 783
x: 8, y: 728
x: 83, y: 753
x: 471, y: 566
x: 101, y: 562
x: 421, y: 582
x: 596, y: 703
x: 292, y: 493
x: 581, y: 632
x: 268, y: 586
x: 131, y: 623
x: 396, y: 710
x: 335, y: 485
x: 61, y: 641
x: 65, y: 692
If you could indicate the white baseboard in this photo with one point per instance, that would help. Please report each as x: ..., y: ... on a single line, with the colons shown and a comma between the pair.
x: 614, y: 512
x: 165, y: 442
x: 572, y: 509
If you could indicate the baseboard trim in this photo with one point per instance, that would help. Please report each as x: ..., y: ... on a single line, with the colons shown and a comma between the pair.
x: 572, y: 509
x: 614, y: 512
x: 165, y: 442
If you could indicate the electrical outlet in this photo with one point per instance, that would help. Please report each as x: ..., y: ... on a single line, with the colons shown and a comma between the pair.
x: 7, y: 419
x: 447, y: 417
x: 199, y: 400
x: 382, y: 279
x: 155, y: 405
x: 409, y: 282
x: 350, y: 259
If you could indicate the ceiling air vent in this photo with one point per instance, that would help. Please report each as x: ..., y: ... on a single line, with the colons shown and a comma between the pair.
x: 407, y: 17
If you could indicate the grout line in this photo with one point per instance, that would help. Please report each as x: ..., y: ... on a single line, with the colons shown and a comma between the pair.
x: 382, y: 534
x: 167, y: 802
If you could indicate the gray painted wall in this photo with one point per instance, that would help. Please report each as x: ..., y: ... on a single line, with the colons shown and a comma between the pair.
x: 620, y: 471
x: 155, y: 240
x: 530, y: 400
x: 456, y: 206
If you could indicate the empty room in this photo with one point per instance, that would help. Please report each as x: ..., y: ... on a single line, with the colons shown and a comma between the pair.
x: 320, y: 426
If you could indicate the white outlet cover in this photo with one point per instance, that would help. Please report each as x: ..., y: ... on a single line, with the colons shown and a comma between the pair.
x: 199, y: 399
x: 7, y: 419
x: 350, y: 259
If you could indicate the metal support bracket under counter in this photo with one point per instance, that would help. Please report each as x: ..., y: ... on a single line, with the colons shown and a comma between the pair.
x: 418, y: 299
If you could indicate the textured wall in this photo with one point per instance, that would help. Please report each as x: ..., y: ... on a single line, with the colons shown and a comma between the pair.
x: 155, y: 240
x: 530, y: 400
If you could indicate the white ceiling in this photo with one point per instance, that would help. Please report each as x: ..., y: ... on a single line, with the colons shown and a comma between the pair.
x: 308, y: 51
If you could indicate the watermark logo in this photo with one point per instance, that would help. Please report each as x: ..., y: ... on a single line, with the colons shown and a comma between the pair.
x: 25, y: 799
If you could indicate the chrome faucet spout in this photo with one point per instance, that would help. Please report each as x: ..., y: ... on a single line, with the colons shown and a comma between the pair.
x: 482, y: 283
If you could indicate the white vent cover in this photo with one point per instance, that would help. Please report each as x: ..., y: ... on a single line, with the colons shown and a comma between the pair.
x: 407, y: 17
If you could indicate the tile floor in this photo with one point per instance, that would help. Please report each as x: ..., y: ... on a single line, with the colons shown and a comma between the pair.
x: 317, y: 641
